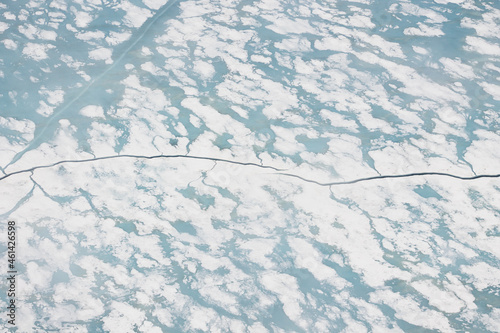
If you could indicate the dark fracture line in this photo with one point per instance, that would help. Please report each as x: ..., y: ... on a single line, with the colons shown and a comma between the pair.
x: 214, y: 159
x: 406, y: 175
x: 139, y: 157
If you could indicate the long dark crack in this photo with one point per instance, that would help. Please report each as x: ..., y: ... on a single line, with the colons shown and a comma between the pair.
x: 280, y: 171
x: 406, y: 175
x: 139, y: 157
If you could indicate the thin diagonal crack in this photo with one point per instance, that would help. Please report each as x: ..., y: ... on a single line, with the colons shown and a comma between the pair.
x: 280, y: 171
x: 142, y: 31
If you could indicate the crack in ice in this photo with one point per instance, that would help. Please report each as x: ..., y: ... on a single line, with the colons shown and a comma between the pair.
x: 406, y: 175
x: 214, y: 159
x: 279, y: 171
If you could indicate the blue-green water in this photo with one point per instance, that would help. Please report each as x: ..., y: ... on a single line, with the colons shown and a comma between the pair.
x: 322, y: 91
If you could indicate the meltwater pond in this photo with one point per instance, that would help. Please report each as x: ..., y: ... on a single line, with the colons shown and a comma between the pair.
x: 167, y: 165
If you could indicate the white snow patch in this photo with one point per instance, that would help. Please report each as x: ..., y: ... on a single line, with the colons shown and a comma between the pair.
x: 420, y: 50
x: 424, y: 30
x: 37, y: 52
x: 492, y: 89
x: 154, y: 4
x: 287, y: 289
x: 92, y: 111
x: 123, y: 318
x: 82, y: 19
x: 9, y: 44
x: 409, y: 310
x: 286, y: 26
x: 116, y: 38
x: 89, y: 35
x: 3, y: 26
x: 443, y: 300
x: 294, y: 45
x: 204, y: 69
x: 340, y: 43
x: 44, y: 109
x: 457, y: 68
x: 482, y: 275
x: 482, y: 46
x: 135, y: 16
x: 101, y: 54
x: 260, y: 58
x: 483, y: 154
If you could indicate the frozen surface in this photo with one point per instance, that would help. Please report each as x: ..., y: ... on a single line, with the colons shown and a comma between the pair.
x: 325, y: 90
